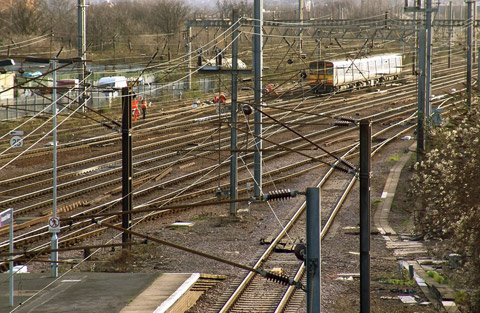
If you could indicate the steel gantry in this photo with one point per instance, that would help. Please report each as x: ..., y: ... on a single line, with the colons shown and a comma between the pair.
x: 380, y: 29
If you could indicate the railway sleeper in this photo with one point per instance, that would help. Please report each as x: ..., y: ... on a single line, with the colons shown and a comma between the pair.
x: 66, y: 208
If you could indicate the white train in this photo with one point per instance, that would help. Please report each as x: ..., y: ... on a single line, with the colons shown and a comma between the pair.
x: 329, y: 76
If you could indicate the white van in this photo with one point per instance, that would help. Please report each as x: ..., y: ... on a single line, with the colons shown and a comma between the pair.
x: 111, y: 85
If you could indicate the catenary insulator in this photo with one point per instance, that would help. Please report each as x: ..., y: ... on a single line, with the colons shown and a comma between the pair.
x: 282, y: 279
x: 279, y: 194
x: 342, y: 124
x: 348, y: 119
x: 347, y: 163
x: 340, y: 168
x: 278, y: 278
x: 247, y: 110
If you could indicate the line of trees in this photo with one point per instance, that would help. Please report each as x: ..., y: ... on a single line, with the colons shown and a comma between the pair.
x: 27, y: 18
x: 140, y: 26
x: 34, y: 17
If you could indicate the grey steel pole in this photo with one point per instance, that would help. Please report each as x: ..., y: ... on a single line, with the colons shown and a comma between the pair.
x: 365, y: 168
x: 421, y: 95
x: 54, y: 255
x: 300, y: 29
x: 469, y: 50
x: 415, y: 38
x: 10, y: 249
x: 127, y: 167
x: 314, y: 248
x: 233, y: 119
x: 257, y: 118
x: 82, y: 48
x: 478, y: 61
x: 189, y: 56
x: 474, y: 44
x: 428, y: 79
x: 450, y: 34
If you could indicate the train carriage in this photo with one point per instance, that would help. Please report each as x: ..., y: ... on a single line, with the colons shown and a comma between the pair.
x: 329, y: 76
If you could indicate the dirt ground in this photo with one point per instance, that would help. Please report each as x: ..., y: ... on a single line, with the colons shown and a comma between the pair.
x: 387, y: 282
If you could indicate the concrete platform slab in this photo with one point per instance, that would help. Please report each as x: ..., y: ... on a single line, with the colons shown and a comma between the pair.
x: 85, y: 292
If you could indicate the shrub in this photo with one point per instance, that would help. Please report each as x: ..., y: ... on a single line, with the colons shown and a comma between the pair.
x: 445, y: 186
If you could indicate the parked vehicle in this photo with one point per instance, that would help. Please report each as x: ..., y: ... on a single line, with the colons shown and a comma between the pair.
x: 111, y: 85
x: 65, y: 85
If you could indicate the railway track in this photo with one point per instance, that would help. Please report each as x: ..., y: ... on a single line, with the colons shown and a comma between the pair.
x: 254, y: 293
x: 32, y: 239
x: 87, y: 230
x: 97, y: 164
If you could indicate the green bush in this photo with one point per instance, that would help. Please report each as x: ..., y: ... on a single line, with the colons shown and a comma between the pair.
x: 460, y: 297
x: 437, y: 277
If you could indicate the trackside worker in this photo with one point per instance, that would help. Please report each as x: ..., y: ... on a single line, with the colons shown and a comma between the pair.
x: 220, y: 99
x: 135, y: 111
x: 268, y: 89
x: 144, y: 108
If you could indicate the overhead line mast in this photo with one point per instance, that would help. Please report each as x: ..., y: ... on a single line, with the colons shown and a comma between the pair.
x: 82, y: 48
x: 258, y: 64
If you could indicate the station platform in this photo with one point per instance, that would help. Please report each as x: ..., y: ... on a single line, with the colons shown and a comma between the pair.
x: 104, y: 292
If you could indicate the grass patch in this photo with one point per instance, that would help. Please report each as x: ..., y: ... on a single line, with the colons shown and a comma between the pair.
x: 180, y: 228
x: 399, y: 282
x: 395, y: 158
x: 437, y: 277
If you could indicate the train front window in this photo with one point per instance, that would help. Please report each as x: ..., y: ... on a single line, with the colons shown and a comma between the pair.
x: 316, y: 68
x: 329, y: 69
x: 321, y: 68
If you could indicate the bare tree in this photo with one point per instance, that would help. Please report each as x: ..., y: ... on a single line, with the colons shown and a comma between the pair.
x: 337, y: 9
x: 130, y: 17
x: 225, y: 7
x: 27, y: 17
x: 60, y: 16
x: 168, y: 15
x: 101, y: 25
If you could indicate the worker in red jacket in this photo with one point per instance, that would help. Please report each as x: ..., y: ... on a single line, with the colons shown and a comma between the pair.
x: 270, y: 88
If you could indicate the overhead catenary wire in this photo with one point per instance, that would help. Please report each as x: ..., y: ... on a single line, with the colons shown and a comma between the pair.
x: 27, y: 42
x: 183, y: 57
x: 305, y: 138
x: 184, y: 77
x: 147, y: 208
x: 65, y: 107
x: 152, y: 179
x: 193, y: 72
x: 295, y: 150
x: 292, y: 282
x: 262, y: 272
x: 41, y: 138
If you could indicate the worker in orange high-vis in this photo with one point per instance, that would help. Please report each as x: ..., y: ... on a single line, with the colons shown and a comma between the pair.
x: 220, y: 99
x: 135, y: 111
x: 144, y: 108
